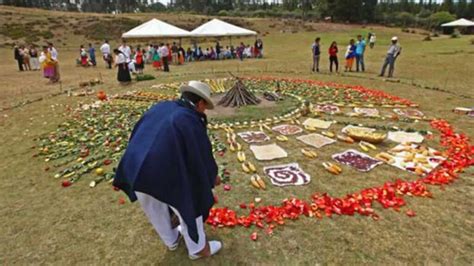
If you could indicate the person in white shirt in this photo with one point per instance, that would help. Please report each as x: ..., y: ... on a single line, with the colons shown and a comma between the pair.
x: 164, y: 53
x: 372, y: 40
x: 125, y: 49
x: 54, y: 58
x: 392, y: 54
x: 106, y: 55
x: 53, y: 51
x: 123, y: 75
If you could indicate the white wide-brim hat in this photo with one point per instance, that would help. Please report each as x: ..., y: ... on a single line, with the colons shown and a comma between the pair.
x: 394, y: 38
x: 201, y: 89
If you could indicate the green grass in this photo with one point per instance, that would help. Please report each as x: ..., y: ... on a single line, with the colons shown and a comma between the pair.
x: 43, y: 223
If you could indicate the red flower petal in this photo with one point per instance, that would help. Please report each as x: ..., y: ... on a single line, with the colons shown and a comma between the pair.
x: 254, y: 236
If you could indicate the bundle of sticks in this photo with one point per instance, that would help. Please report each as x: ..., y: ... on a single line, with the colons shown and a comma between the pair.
x: 238, y: 96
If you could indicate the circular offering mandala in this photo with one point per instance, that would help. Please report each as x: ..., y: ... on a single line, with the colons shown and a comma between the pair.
x: 90, y: 144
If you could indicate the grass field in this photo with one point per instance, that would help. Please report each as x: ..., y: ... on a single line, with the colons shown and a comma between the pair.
x: 43, y: 223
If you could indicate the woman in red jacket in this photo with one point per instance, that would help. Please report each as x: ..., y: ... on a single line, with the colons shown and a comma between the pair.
x: 333, y: 56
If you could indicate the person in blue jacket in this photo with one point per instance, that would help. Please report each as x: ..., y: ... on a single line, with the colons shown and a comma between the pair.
x: 359, y: 53
x: 169, y: 168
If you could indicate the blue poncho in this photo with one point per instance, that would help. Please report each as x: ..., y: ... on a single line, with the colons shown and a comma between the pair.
x: 169, y: 157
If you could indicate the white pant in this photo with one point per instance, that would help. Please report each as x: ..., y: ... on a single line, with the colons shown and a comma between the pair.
x: 159, y: 216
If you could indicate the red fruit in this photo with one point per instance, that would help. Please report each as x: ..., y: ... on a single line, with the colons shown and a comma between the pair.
x: 410, y: 213
x: 243, y: 206
x: 116, y: 188
x: 66, y: 183
x: 121, y: 201
x: 216, y: 200
x: 254, y: 236
x: 107, y: 162
x: 227, y: 187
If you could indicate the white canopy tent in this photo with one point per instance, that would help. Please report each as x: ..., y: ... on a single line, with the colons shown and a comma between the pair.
x: 459, y: 23
x: 155, y: 29
x: 219, y: 28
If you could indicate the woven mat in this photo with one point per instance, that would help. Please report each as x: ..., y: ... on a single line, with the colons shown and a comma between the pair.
x: 287, y: 175
x: 405, y: 137
x: 268, y: 152
x: 316, y: 140
x: 317, y: 123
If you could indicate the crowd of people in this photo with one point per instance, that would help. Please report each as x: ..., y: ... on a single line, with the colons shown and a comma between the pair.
x: 31, y: 59
x: 132, y: 60
x: 354, y: 52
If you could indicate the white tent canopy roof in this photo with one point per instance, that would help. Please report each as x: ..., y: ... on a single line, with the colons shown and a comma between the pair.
x: 217, y: 28
x: 459, y: 23
x: 156, y: 29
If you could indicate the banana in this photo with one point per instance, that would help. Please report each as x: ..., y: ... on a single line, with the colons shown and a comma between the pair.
x: 241, y: 156
x: 314, y: 154
x: 260, y: 182
x: 267, y: 127
x: 346, y: 139
x: 254, y: 182
x: 332, y: 168
x: 232, y: 147
x: 328, y: 134
x: 335, y: 166
x: 370, y: 145
x: 245, y: 168
x: 282, y: 138
x: 310, y: 128
x: 308, y: 153
x: 238, y: 146
x: 251, y: 167
x: 363, y: 147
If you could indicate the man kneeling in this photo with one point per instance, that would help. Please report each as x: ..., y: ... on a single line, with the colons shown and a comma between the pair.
x: 169, y: 167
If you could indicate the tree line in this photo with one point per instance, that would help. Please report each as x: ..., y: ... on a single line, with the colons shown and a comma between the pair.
x: 405, y: 13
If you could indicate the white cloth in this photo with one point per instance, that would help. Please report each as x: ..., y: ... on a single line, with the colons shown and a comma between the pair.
x: 394, y: 49
x: 159, y: 216
x: 164, y: 51
x: 54, y: 53
x: 121, y: 58
x: 125, y: 49
x: 372, y: 39
x: 131, y: 66
x: 105, y: 49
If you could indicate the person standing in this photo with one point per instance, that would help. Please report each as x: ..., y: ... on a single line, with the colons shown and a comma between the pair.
x: 181, y: 55
x: 174, y: 53
x: 350, y: 55
x: 156, y: 59
x: 50, y: 69
x: 164, y: 53
x: 392, y: 54
x: 123, y: 74
x: 54, y: 61
x: 259, y: 48
x: 34, y: 58
x: 333, y: 50
x: 316, y: 50
x: 359, y: 53
x: 125, y: 49
x: 18, y: 57
x: 106, y: 55
x: 26, y: 58
x: 372, y: 40
x: 169, y: 168
x: 218, y: 51
x: 139, y: 60
x: 92, y: 55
